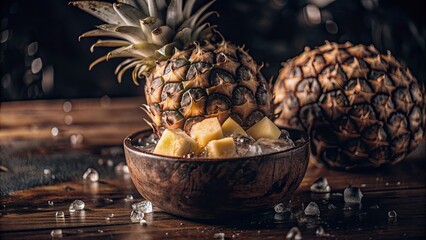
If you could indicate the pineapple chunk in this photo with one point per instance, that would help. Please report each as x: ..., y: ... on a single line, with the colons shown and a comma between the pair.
x: 230, y: 126
x: 221, y: 148
x: 205, y: 131
x: 265, y: 128
x: 176, y: 143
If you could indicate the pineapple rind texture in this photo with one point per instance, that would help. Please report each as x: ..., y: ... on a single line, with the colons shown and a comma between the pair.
x: 207, y: 80
x: 361, y: 108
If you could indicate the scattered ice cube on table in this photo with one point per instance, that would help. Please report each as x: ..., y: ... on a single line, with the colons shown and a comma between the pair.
x: 91, y: 175
x: 136, y: 216
x: 128, y: 198
x: 375, y: 206
x: 392, y: 215
x: 143, y: 222
x: 294, y: 234
x: 59, y: 214
x: 77, y: 205
x: 312, y: 209
x: 279, y: 208
x: 56, y: 233
x: 144, y: 206
x: 321, y: 186
x: 47, y: 171
x: 352, y: 195
x: 331, y: 206
x: 50, y: 203
x: 219, y: 236
x: 121, y: 168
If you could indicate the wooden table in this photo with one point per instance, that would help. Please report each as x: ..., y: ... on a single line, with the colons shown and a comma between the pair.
x: 39, y: 129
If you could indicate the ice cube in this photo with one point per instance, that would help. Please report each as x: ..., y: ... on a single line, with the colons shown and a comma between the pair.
x: 143, y: 222
x: 136, y: 216
x: 77, y: 205
x: 284, y: 134
x: 321, y: 186
x: 128, y: 198
x: 392, y: 214
x: 352, y: 195
x: 121, y: 168
x: 312, y: 209
x: 242, y: 143
x: 59, y: 214
x: 91, y: 175
x: 279, y: 208
x: 56, y: 233
x: 274, y: 145
x: 294, y: 234
x: 144, y: 207
x: 331, y: 206
x: 219, y: 236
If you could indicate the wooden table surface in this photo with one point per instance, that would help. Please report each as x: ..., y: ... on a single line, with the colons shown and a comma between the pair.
x: 93, y: 125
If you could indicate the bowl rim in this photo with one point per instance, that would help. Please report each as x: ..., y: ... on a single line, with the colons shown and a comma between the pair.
x: 127, y: 143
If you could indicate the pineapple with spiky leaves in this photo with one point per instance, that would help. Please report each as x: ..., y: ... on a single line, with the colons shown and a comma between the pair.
x: 188, y: 78
x: 361, y: 108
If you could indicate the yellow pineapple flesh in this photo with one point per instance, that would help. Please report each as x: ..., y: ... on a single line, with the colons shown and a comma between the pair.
x: 221, y: 148
x: 265, y: 128
x: 207, y: 130
x: 176, y: 143
x: 230, y: 126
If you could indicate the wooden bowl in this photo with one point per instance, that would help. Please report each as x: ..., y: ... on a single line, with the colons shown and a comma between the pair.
x: 216, y: 188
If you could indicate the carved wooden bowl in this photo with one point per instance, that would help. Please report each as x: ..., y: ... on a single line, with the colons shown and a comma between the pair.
x: 216, y: 188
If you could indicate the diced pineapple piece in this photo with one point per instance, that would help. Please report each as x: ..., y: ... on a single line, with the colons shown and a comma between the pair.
x: 265, y: 128
x: 176, y: 143
x: 205, y: 131
x: 230, y: 126
x: 221, y: 148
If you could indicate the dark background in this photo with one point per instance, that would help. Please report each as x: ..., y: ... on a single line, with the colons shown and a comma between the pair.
x: 41, y: 58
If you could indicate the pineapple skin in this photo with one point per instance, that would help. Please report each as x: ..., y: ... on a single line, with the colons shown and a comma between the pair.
x: 361, y: 108
x: 207, y: 80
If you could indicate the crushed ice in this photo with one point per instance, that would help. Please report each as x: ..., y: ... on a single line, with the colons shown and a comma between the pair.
x: 144, y: 206
x: 312, y: 209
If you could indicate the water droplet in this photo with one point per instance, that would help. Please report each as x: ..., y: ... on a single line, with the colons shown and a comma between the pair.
x: 294, y: 234
x: 56, y: 233
x: 68, y: 119
x: 47, y: 81
x: 107, y: 219
x: 4, y: 36
x: 129, y: 198
x: 387, y: 184
x: 47, y: 171
x: 363, y: 185
x: 32, y: 48
x: 312, y: 209
x: 111, y: 215
x: 143, y: 222
x: 110, y: 163
x: 67, y: 106
x: 313, y: 14
x: 398, y: 183
x: 331, y: 26
x: 100, y: 230
x: 50, y: 203
x: 54, y: 131
x: 331, y: 206
x: 91, y: 175
x: 108, y: 200
x: 375, y: 206
x: 121, y: 168
x: 6, y: 80
x: 76, y: 205
x: 76, y: 139
x: 36, y: 65
x: 60, y: 214
x: 101, y: 161
x: 105, y: 101
x: 352, y: 195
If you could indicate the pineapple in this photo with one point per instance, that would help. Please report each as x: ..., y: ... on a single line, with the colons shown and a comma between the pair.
x: 361, y: 108
x: 221, y: 148
x: 230, y: 126
x: 188, y: 77
x: 207, y: 130
x: 265, y: 128
x: 176, y: 143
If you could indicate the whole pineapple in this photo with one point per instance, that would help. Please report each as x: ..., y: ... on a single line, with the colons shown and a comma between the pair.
x: 361, y: 108
x: 188, y: 78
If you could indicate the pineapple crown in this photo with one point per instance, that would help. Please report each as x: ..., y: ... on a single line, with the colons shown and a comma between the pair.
x: 145, y: 31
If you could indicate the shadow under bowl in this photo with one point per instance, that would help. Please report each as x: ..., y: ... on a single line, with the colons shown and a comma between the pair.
x: 208, y: 189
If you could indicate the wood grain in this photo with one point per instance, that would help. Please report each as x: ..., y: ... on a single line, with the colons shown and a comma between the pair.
x: 25, y: 214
